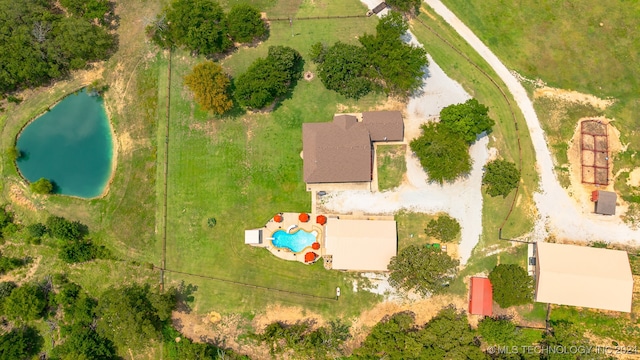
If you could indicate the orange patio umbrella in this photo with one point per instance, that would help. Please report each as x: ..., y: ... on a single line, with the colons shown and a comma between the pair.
x: 310, y: 256
x: 278, y: 218
x: 315, y: 246
x: 304, y: 217
x: 321, y: 219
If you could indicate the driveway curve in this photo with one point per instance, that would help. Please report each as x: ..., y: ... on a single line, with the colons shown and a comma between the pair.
x: 560, y: 214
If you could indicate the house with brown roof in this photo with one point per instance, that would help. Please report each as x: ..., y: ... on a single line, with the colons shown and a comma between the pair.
x: 342, y: 151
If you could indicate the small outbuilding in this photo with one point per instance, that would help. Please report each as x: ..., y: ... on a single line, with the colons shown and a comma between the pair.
x: 605, y: 202
x: 253, y: 237
x: 480, y: 296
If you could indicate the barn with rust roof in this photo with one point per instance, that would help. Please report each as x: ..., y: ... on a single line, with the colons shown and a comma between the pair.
x: 342, y: 151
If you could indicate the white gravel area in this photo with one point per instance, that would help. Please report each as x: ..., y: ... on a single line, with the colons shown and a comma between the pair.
x: 461, y: 199
x: 560, y: 214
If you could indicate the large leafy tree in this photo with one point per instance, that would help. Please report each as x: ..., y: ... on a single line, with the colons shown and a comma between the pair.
x: 41, y: 186
x: 64, y: 229
x: 398, y: 66
x: 269, y: 78
x: 567, y: 335
x: 210, y: 85
x: 468, y: 119
x: 443, y: 155
x: 25, y: 303
x: 500, y: 177
x: 245, y: 23
x: 82, y: 342
x: 88, y: 9
x: 445, y: 228
x: 20, y: 343
x: 511, y: 285
x: 344, y: 70
x: 423, y: 269
x: 38, y: 43
x: 199, y: 25
x: 449, y: 336
x: 131, y: 316
x: 394, y: 337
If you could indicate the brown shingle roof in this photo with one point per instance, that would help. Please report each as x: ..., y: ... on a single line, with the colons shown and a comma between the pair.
x: 384, y: 125
x: 339, y: 151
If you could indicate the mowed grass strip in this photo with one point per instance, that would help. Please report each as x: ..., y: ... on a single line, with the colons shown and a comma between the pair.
x: 242, y: 170
x: 504, y: 136
x: 391, y: 165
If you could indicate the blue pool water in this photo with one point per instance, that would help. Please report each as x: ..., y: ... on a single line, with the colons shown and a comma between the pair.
x: 295, y: 242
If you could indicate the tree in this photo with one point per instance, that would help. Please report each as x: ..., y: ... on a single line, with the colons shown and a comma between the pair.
x: 423, y: 269
x: 26, y: 303
x: 449, y: 336
x: 88, y: 9
x: 77, y: 251
x: 269, y: 78
x: 511, y: 285
x: 394, y: 337
x: 20, y: 343
x: 64, y: 229
x: 199, y: 25
x: 500, y: 177
x: 443, y: 155
x: 343, y: 69
x: 318, y: 52
x: 398, y: 66
x: 468, y: 119
x: 405, y: 5
x: 13, y: 153
x: 445, y: 228
x: 36, y: 230
x: 81, y: 342
x: 245, y: 23
x: 499, y: 331
x: 567, y: 335
x: 128, y: 317
x: 210, y: 85
x: 42, y: 186
x: 8, y: 263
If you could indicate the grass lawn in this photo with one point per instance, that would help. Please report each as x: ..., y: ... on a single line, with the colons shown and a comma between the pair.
x: 596, y: 53
x: 411, y: 228
x: 391, y: 165
x: 242, y: 169
x: 504, y: 138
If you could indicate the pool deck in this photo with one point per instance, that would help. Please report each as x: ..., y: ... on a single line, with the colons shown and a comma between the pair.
x: 290, y: 219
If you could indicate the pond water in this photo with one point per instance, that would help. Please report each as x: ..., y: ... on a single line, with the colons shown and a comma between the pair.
x: 71, y: 145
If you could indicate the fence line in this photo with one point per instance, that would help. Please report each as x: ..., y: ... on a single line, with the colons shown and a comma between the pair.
x: 316, y: 17
x: 166, y: 177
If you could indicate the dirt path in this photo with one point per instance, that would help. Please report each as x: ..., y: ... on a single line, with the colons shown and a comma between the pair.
x: 558, y: 212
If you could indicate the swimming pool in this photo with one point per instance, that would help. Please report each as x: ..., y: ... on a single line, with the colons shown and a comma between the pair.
x: 295, y: 242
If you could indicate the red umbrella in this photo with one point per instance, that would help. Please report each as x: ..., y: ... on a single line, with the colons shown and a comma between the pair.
x: 321, y: 219
x: 310, y: 256
x: 304, y: 217
x: 315, y: 246
x: 278, y: 218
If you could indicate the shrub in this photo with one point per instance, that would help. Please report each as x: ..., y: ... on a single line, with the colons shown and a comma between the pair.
x: 42, y: 186
x: 64, y: 229
x: 36, y: 230
x: 210, y: 85
x: 445, y: 228
x: 500, y: 177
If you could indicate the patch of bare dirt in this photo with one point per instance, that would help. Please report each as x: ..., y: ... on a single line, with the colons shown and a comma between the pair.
x: 573, y: 96
x: 580, y: 192
x: 285, y: 314
x: 17, y: 197
x: 634, y: 177
x: 20, y: 278
x: 308, y: 76
x: 392, y: 104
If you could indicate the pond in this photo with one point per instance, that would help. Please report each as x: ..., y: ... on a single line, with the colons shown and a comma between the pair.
x: 71, y: 145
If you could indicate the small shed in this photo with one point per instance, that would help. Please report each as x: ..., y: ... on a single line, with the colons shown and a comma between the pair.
x: 253, y: 237
x: 605, y: 202
x: 481, y: 297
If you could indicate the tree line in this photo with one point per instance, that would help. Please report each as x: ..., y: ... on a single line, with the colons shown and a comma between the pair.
x: 41, y: 40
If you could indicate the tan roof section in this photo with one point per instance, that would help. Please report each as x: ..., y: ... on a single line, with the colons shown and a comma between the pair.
x: 365, y: 245
x: 384, y: 125
x: 584, y: 276
x: 339, y: 151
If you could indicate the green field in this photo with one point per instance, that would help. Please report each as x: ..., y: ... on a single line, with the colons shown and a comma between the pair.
x: 242, y: 169
x: 596, y: 52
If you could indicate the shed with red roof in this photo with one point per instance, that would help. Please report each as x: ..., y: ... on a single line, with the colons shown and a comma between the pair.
x: 481, y: 297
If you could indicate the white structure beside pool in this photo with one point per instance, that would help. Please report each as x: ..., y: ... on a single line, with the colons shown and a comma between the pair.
x: 362, y: 245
